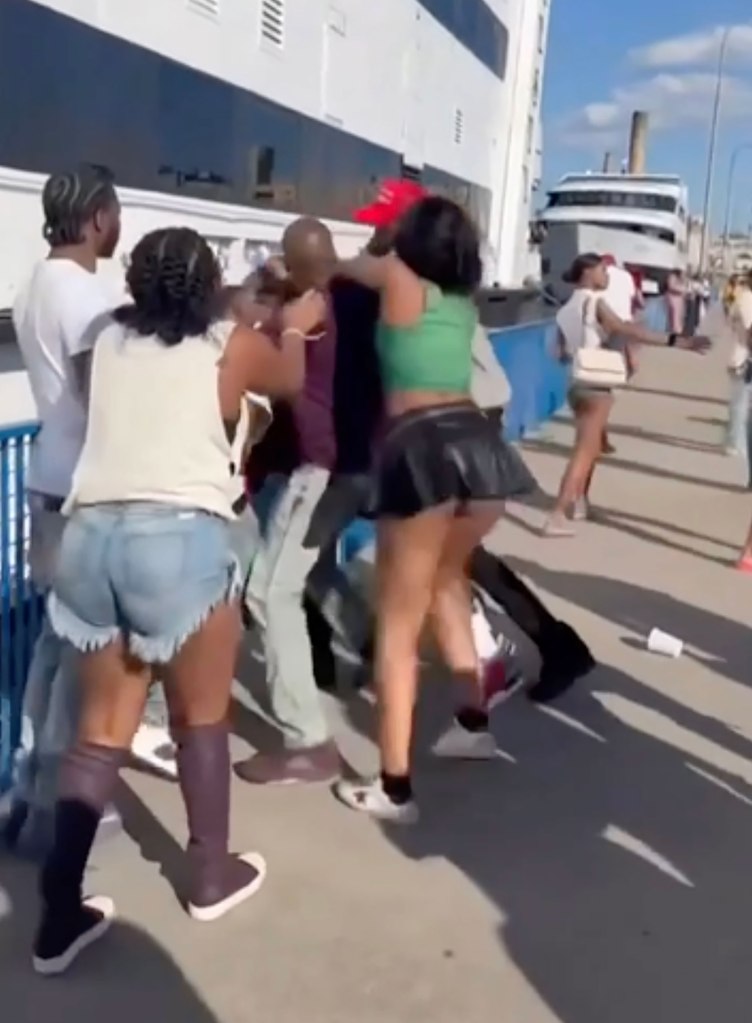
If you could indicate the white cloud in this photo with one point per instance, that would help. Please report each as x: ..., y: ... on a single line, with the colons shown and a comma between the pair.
x: 695, y: 48
x: 671, y: 100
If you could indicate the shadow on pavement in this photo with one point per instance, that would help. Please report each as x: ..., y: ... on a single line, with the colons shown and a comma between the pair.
x: 564, y: 450
x: 618, y: 861
x: 717, y: 642
x: 701, y: 399
x: 129, y: 978
x: 631, y: 525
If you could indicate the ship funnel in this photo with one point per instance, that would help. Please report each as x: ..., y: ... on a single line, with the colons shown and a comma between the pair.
x: 638, y: 138
x: 608, y: 163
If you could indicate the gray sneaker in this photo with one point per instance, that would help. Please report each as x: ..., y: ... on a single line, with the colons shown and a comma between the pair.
x: 292, y: 766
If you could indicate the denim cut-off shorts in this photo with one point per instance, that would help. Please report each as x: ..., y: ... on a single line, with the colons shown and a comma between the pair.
x: 151, y: 573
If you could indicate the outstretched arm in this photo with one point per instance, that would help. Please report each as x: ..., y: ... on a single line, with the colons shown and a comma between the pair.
x: 636, y: 332
x: 371, y: 271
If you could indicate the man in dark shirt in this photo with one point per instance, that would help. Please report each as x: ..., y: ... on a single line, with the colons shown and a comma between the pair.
x: 290, y: 470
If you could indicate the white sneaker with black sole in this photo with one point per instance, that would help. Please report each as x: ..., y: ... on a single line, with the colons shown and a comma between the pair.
x: 153, y: 747
x: 62, y: 938
x: 368, y: 796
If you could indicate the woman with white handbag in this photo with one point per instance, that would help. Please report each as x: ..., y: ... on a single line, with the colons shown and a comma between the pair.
x: 586, y: 326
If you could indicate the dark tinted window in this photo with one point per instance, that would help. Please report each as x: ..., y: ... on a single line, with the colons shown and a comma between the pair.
x: 89, y: 96
x: 475, y: 25
x: 633, y: 200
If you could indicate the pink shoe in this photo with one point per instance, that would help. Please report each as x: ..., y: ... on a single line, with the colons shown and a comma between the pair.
x: 744, y: 564
x: 500, y: 681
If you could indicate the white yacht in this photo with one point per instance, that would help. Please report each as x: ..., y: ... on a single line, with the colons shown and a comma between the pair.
x: 641, y: 219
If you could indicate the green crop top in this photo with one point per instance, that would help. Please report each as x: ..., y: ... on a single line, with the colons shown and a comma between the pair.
x: 433, y: 354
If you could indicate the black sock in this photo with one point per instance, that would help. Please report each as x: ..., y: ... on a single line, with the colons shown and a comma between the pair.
x: 472, y: 719
x: 398, y: 787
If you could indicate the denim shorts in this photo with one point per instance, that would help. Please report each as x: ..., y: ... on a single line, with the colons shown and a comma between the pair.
x: 151, y: 573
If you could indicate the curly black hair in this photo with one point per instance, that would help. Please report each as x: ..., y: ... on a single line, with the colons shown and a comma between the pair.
x: 439, y: 242
x: 173, y: 278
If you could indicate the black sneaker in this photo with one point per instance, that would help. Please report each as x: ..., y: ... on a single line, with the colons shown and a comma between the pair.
x: 62, y: 938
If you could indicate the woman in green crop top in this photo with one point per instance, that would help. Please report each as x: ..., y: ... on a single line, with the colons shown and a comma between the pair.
x: 443, y: 475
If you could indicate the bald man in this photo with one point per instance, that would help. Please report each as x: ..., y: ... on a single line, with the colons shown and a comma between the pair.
x: 289, y: 471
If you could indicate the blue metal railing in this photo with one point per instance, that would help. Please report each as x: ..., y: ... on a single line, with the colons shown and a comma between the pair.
x: 20, y: 604
x: 538, y: 385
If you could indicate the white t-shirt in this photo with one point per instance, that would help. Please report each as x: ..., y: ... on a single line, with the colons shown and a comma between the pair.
x: 52, y: 316
x: 741, y: 324
x: 577, y: 320
x: 621, y: 292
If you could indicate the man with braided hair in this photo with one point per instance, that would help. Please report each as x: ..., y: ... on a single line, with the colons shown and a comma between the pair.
x: 53, y: 318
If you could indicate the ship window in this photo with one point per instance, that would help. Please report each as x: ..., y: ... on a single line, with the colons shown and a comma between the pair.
x: 633, y: 200
x: 474, y: 24
x: 210, y: 8
x: 459, y: 126
x: 165, y: 127
x: 273, y: 22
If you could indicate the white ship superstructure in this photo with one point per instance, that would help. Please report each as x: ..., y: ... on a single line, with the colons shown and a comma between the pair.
x: 641, y: 219
x: 234, y: 116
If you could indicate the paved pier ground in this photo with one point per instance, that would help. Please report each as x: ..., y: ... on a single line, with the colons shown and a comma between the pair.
x: 600, y: 872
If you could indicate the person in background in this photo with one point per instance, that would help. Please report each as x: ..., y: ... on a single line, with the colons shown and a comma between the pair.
x: 622, y: 297
x: 52, y: 317
x: 587, y: 321
x: 146, y: 574
x: 676, y: 301
x: 737, y: 304
x: 289, y: 471
x: 442, y: 478
x: 638, y: 303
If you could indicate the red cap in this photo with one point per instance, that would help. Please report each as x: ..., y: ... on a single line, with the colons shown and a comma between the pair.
x: 394, y: 200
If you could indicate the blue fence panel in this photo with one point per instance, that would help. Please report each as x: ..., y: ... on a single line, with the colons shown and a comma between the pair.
x: 539, y: 388
x: 538, y: 380
x: 20, y: 604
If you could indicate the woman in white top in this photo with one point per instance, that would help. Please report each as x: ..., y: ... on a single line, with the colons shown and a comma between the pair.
x: 146, y: 574
x: 586, y: 321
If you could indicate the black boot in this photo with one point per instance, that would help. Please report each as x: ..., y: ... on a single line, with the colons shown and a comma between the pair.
x: 566, y: 658
x: 70, y: 923
x: 218, y: 880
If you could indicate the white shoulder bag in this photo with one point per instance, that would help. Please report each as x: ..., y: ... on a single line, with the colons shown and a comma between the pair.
x: 593, y: 365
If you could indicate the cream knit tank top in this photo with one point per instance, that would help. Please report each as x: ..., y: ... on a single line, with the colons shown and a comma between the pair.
x: 155, y: 431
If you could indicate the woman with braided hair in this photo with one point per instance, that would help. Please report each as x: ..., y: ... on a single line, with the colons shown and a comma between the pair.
x: 146, y: 575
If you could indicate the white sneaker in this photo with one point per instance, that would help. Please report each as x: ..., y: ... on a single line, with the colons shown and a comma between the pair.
x: 368, y: 796
x: 457, y: 743
x: 153, y: 747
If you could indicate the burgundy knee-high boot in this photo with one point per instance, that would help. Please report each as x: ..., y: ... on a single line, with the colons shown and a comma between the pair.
x: 218, y: 880
x: 70, y: 922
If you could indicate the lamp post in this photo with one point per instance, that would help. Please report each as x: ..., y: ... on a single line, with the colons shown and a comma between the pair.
x: 729, y: 196
x: 712, y: 142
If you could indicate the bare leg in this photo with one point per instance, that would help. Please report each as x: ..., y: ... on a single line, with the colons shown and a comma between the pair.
x: 407, y: 560
x: 591, y: 417
x: 408, y: 555
x: 451, y: 610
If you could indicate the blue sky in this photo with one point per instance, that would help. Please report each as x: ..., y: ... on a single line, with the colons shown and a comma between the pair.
x: 606, y: 59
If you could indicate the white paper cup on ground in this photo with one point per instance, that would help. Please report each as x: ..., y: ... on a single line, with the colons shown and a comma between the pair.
x: 664, y: 643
